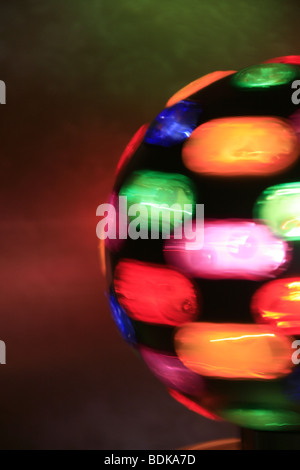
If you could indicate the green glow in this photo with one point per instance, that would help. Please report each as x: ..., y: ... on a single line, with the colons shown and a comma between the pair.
x: 263, y: 419
x: 279, y: 207
x: 164, y: 199
x: 265, y: 75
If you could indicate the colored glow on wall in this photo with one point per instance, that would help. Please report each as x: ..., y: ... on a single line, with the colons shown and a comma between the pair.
x: 262, y: 418
x: 174, y: 124
x: 265, y: 75
x: 197, y: 85
x: 160, y: 198
x: 154, y: 293
x: 122, y: 321
x: 132, y: 147
x: 171, y: 372
x: 238, y: 146
x: 287, y: 59
x: 232, y: 249
x: 193, y: 405
x: 234, y: 350
x: 279, y: 207
x: 278, y: 303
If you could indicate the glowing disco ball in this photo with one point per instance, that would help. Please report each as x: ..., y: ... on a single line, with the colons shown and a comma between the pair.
x: 216, y: 320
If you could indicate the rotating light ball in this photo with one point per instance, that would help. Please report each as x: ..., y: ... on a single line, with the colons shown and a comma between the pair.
x: 216, y: 322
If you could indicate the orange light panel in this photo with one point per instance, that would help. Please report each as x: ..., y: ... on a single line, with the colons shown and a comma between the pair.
x: 154, y: 293
x: 197, y: 85
x: 241, y: 146
x: 234, y: 350
x: 102, y: 256
x: 278, y: 303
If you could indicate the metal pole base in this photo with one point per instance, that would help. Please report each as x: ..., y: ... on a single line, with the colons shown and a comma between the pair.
x: 269, y: 440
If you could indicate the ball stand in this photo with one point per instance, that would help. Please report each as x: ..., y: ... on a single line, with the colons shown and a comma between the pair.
x: 254, y: 440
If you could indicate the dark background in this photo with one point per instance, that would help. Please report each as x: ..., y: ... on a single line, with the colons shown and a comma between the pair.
x: 81, y: 77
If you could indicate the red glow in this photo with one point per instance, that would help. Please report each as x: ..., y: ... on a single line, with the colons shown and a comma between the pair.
x: 197, y: 85
x: 278, y: 303
x: 154, y: 293
x: 287, y: 59
x: 192, y: 405
x: 131, y: 147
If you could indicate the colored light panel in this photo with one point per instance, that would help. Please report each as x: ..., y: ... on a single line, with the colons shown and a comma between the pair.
x: 193, y: 405
x: 238, y: 146
x: 234, y: 350
x: 197, y: 85
x: 232, y: 249
x: 278, y: 303
x: 154, y: 293
x: 171, y: 372
x: 265, y: 75
x: 262, y: 418
x: 291, y: 383
x: 162, y: 199
x: 122, y: 321
x: 287, y: 59
x: 174, y: 124
x: 294, y: 120
x: 131, y: 147
x: 279, y: 207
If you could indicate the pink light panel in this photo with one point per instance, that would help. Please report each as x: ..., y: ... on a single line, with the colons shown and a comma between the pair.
x: 232, y: 249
